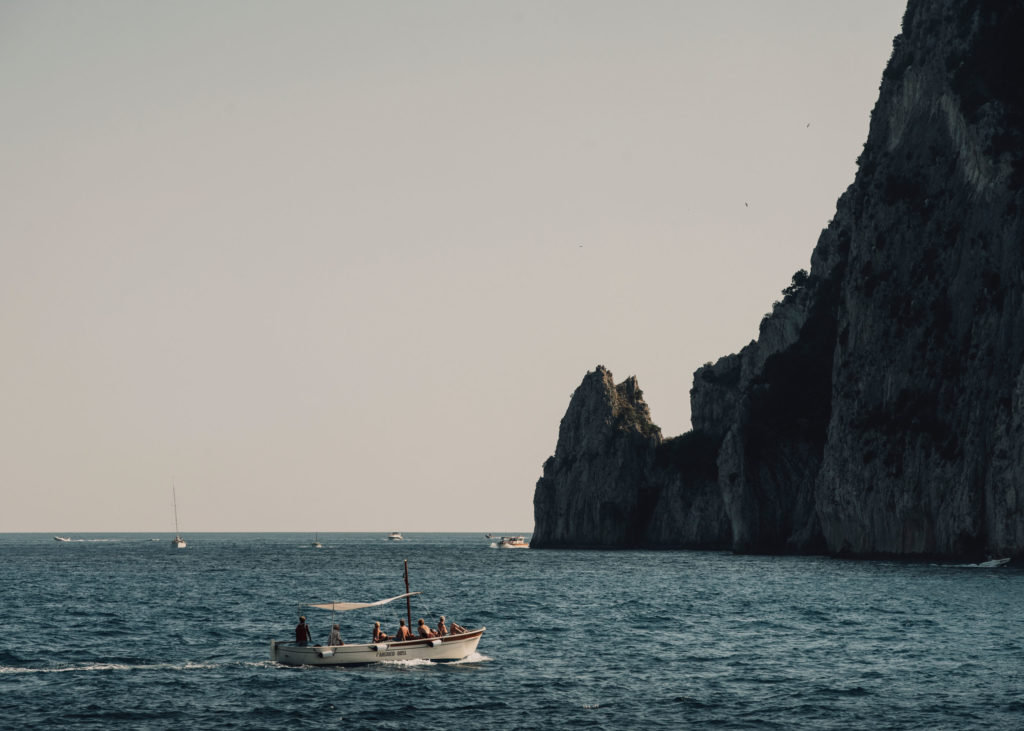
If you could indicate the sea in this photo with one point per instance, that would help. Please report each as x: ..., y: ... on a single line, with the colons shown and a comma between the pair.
x: 114, y: 631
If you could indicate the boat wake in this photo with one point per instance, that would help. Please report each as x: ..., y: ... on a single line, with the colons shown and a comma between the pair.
x: 420, y: 662
x: 992, y: 564
x: 473, y: 657
x: 107, y: 667
x: 412, y: 663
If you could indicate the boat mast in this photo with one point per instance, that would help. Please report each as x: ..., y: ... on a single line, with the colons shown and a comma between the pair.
x: 174, y: 498
x: 408, y: 600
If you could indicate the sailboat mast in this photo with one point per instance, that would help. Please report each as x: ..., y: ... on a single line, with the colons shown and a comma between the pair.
x: 174, y: 499
x: 408, y: 600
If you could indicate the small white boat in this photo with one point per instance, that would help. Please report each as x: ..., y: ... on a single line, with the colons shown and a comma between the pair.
x: 394, y: 536
x: 512, y: 542
x: 993, y: 563
x: 62, y: 539
x: 316, y: 541
x: 436, y: 649
x: 177, y: 541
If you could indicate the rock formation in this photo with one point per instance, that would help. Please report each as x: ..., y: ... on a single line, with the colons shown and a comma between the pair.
x: 881, y: 409
x: 613, y: 481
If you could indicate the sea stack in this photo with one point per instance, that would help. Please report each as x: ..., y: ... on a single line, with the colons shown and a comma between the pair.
x: 613, y: 482
x: 880, y: 412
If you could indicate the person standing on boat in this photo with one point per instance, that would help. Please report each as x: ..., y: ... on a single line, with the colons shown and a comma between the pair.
x: 335, y: 639
x: 302, y: 634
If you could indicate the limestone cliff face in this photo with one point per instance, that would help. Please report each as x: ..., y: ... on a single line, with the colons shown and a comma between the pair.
x: 923, y: 453
x: 613, y: 483
x: 881, y: 409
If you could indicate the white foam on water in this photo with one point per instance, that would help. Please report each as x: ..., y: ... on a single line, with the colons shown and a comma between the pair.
x: 473, y: 657
x: 109, y: 667
x: 410, y: 663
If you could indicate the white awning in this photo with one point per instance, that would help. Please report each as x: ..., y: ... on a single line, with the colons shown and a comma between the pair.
x: 348, y: 606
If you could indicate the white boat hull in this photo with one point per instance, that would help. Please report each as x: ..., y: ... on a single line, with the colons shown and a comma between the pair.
x: 439, y: 649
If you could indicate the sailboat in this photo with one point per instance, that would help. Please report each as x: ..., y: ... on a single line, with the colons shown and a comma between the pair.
x: 316, y: 540
x: 177, y: 541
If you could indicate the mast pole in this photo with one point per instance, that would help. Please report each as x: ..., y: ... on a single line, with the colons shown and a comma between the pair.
x: 408, y: 600
x: 174, y: 499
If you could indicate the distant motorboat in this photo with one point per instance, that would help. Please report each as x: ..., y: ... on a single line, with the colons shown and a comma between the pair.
x: 62, y: 539
x: 394, y: 536
x: 993, y: 563
x: 512, y: 542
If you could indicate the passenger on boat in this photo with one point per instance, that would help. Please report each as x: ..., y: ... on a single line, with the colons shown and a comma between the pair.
x: 404, y: 633
x: 335, y: 638
x: 379, y: 636
x: 458, y: 629
x: 302, y: 634
x: 442, y: 630
x: 425, y: 631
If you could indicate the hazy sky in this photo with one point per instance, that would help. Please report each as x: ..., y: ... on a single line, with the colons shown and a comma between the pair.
x: 338, y: 266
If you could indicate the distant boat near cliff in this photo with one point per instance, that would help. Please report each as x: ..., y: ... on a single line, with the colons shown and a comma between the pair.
x: 510, y: 542
x: 992, y: 563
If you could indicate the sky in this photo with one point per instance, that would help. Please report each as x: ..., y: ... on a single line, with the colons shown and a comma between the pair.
x: 339, y: 266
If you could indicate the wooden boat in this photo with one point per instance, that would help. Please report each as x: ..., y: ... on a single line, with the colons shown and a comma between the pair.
x: 177, y: 541
x: 436, y: 649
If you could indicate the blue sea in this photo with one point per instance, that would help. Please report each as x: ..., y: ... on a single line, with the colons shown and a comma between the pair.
x: 122, y: 631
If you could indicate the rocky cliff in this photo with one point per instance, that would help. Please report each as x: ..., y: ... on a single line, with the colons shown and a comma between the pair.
x: 614, y: 482
x: 881, y: 409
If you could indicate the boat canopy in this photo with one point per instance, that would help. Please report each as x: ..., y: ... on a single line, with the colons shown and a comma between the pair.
x: 348, y: 606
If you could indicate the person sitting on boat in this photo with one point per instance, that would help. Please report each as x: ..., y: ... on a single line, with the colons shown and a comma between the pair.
x: 379, y: 636
x: 425, y: 631
x: 302, y: 634
x: 404, y: 633
x: 335, y: 638
x: 442, y: 629
x: 458, y: 629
